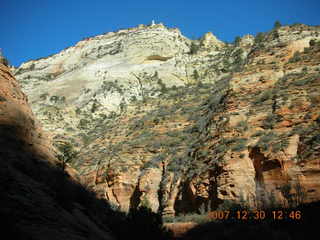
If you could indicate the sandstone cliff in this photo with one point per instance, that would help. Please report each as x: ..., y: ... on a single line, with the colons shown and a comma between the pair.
x: 159, y: 120
x: 34, y: 191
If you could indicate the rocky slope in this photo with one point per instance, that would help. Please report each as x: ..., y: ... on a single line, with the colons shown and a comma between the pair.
x: 149, y: 117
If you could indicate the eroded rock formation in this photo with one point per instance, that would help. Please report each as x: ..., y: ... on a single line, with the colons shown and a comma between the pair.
x: 176, y: 124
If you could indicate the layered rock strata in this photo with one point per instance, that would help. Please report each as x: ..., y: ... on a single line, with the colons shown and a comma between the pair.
x: 179, y: 125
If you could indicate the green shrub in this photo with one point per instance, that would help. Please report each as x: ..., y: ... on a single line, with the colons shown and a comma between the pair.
x: 258, y: 40
x: 44, y: 96
x: 280, y: 145
x: 138, y: 124
x: 237, y: 41
x: 242, y: 126
x: 277, y: 25
x: 276, y: 147
x: 240, y: 144
x: 54, y: 99
x: 174, y: 133
x: 83, y: 124
x: 221, y: 148
x: 271, y: 120
x: 302, y: 82
x: 314, y: 42
x: 112, y: 87
x: 2, y: 99
x: 257, y: 134
x: 133, y: 99
x: 196, y: 74
x: 68, y: 152
x: 78, y: 111
x: 295, y: 58
x: 264, y: 141
x: 162, y: 86
x: 4, y: 60
x: 264, y: 96
x: 194, y: 48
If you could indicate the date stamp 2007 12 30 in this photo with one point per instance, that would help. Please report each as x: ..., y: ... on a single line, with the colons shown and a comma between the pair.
x: 255, y: 215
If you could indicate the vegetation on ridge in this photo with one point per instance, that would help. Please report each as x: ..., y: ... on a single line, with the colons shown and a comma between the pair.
x: 227, y: 105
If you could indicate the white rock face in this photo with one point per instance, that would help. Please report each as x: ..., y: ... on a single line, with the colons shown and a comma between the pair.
x: 209, y: 40
x: 247, y: 41
x: 114, y: 56
x: 102, y: 74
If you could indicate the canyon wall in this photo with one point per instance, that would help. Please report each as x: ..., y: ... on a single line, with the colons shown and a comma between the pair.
x: 154, y: 119
x: 36, y: 194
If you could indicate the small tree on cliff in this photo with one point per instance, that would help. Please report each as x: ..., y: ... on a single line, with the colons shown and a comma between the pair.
x: 286, y: 192
x: 68, y: 153
x: 237, y: 41
x: 145, y: 203
x: 259, y: 38
x: 295, y: 197
x: 300, y: 193
x: 277, y: 25
x: 3, y: 59
x: 194, y: 48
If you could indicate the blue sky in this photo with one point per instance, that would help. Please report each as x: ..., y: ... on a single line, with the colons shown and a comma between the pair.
x: 37, y: 28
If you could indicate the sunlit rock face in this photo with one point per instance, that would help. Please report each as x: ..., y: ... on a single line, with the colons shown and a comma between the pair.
x: 177, y: 125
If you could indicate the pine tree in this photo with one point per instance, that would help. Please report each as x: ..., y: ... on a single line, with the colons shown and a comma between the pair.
x: 237, y: 41
x: 3, y: 60
x: 277, y: 25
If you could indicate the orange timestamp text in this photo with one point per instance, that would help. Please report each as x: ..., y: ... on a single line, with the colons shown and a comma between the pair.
x: 255, y: 215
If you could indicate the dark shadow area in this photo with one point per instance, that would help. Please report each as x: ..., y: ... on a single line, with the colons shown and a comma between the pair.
x: 187, y: 202
x: 135, y: 198
x: 295, y: 223
x: 40, y: 201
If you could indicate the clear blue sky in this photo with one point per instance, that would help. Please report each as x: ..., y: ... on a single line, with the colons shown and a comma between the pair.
x: 37, y: 28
